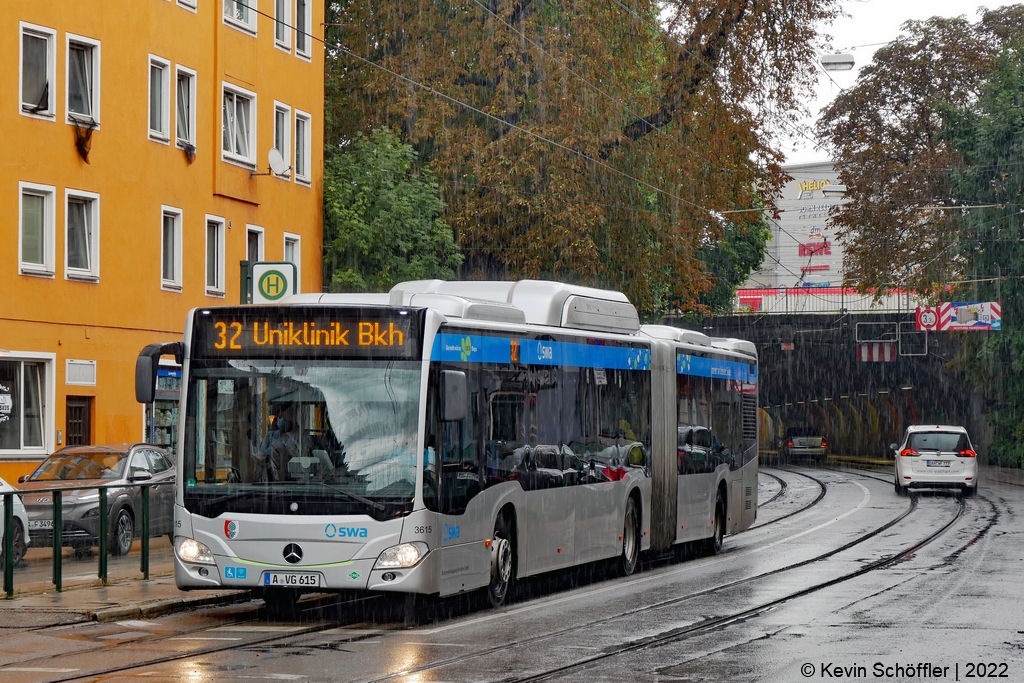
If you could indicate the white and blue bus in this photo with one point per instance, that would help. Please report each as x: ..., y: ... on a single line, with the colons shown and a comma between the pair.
x: 450, y: 437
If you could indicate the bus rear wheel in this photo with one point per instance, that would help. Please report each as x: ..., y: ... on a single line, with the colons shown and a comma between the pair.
x: 503, y: 566
x: 713, y: 545
x: 630, y: 538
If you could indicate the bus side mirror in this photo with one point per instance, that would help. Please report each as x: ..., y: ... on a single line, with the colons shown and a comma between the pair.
x: 455, y: 396
x: 146, y: 366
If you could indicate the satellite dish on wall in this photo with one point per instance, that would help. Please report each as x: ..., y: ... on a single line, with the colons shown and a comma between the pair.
x: 277, y: 163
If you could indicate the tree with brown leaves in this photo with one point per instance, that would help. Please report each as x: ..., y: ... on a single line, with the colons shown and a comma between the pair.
x: 582, y: 140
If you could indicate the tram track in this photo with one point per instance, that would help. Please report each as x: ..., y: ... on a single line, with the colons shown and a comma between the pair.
x: 716, y: 623
x: 299, y: 631
x: 782, y: 489
x: 704, y: 626
x: 821, y: 494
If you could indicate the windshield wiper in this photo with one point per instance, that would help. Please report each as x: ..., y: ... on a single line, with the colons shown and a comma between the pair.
x: 365, y: 501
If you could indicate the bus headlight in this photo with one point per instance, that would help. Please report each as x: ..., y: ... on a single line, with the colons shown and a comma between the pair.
x: 191, y: 550
x: 401, y: 556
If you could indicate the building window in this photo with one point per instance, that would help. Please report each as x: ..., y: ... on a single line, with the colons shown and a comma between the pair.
x: 293, y: 254
x: 23, y: 392
x: 83, y: 80
x: 254, y: 244
x: 37, y: 70
x: 301, y: 164
x: 188, y: 4
x: 170, y: 248
x: 185, y: 107
x: 303, y: 19
x: 241, y: 14
x: 282, y: 130
x: 282, y: 24
x: 214, y: 256
x: 82, y: 236
x: 37, y: 234
x: 159, y: 99
x: 239, y: 143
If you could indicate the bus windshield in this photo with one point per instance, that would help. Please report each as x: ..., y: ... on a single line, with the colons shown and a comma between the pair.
x: 301, y: 436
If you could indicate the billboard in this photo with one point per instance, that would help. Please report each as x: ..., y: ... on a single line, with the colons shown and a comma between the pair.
x: 960, y: 315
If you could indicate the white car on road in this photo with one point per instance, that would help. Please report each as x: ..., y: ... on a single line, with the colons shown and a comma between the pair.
x: 936, y: 456
x: 21, y: 537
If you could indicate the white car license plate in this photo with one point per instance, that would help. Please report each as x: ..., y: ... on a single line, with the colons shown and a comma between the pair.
x: 938, y: 463
x: 291, y: 579
x: 40, y: 524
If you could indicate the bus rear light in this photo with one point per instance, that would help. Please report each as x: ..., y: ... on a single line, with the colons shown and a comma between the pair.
x: 908, y: 452
x: 967, y: 453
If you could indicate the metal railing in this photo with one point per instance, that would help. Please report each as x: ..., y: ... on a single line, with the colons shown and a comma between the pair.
x: 58, y: 528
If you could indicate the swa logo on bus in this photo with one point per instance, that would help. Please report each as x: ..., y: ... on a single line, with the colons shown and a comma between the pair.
x: 332, y: 531
x: 231, y: 529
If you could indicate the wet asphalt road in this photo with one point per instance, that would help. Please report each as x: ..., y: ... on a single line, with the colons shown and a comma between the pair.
x: 838, y: 577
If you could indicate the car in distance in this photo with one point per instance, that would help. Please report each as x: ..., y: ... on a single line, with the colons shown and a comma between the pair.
x: 936, y: 456
x: 21, y: 536
x: 78, y: 470
x: 804, y: 442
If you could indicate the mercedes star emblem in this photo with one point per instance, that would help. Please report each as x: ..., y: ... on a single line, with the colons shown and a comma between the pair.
x: 292, y: 553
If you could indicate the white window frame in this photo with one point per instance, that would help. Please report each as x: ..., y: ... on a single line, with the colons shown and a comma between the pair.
x: 49, y: 194
x: 283, y: 24
x: 306, y: 179
x: 249, y: 228
x: 297, y: 240
x: 228, y: 155
x: 92, y: 273
x: 218, y: 289
x: 286, y: 153
x: 49, y: 392
x: 306, y: 54
x: 50, y: 35
x: 180, y: 70
x: 247, y: 26
x: 174, y: 284
x: 163, y: 137
x: 190, y: 5
x: 94, y: 45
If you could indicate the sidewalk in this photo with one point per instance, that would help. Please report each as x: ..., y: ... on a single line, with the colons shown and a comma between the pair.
x: 121, y: 599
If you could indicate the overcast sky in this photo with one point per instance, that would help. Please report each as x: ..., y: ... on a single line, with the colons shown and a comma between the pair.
x: 869, y: 22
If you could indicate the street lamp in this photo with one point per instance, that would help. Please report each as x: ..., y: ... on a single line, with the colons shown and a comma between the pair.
x: 840, y: 61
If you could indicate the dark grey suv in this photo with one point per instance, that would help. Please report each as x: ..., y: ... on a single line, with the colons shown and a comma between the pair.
x: 74, y: 467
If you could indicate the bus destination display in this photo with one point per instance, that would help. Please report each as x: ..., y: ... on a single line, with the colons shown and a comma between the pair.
x: 351, y: 333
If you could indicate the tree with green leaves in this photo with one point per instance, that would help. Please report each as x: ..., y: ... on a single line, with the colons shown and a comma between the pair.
x: 888, y: 139
x: 595, y: 142
x: 989, y: 138
x: 382, y: 217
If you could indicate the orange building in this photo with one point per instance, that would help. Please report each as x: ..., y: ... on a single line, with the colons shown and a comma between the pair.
x: 133, y: 180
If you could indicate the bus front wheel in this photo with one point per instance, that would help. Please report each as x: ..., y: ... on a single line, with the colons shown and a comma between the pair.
x: 502, y: 562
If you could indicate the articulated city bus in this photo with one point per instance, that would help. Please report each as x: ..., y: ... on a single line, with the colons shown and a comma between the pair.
x: 450, y: 437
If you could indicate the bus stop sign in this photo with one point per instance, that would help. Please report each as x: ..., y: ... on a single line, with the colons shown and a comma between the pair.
x: 273, y: 280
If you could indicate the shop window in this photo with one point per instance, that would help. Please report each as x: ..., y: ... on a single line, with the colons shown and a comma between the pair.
x: 22, y: 404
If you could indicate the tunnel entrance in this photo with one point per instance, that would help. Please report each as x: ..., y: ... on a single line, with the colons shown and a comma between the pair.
x: 859, y: 378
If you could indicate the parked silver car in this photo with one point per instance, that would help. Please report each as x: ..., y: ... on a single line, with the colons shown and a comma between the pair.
x: 21, y: 537
x: 76, y: 469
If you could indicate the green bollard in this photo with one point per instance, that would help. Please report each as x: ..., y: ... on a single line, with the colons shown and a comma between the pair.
x: 58, y: 540
x: 145, y: 532
x: 9, y: 544
x: 104, y: 513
